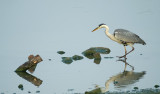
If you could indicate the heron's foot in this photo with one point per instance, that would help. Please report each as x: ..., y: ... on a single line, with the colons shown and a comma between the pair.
x: 123, y: 60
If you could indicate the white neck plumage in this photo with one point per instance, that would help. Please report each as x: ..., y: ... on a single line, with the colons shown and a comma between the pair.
x: 108, y: 34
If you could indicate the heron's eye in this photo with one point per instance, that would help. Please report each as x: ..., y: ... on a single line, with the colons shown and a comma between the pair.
x: 115, y: 82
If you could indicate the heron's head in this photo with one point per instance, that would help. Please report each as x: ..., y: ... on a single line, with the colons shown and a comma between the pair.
x: 101, y: 26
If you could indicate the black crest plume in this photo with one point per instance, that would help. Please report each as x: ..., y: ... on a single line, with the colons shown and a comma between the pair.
x: 102, y: 24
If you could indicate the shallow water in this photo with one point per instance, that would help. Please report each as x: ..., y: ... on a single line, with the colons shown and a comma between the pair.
x: 50, y: 26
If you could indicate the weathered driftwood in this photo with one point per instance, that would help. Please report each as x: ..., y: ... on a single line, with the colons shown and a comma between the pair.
x: 33, y: 61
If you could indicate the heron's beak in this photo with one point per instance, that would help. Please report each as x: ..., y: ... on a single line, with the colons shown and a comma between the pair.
x: 95, y: 29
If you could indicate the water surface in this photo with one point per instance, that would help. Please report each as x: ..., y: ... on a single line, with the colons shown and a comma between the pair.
x: 45, y: 27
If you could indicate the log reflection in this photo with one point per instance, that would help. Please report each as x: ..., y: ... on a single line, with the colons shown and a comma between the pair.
x: 30, y: 78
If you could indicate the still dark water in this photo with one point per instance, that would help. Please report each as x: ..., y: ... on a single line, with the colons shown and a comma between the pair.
x: 44, y: 30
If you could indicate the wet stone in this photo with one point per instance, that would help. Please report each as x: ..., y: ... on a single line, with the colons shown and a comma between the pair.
x: 95, y: 53
x: 20, y: 86
x: 77, y: 57
x: 135, y: 88
x: 37, y: 91
x: 60, y: 52
x: 101, y: 50
x: 156, y: 86
x: 67, y: 60
x: 89, y: 54
x: 97, y: 61
x: 97, y: 56
x: 29, y: 91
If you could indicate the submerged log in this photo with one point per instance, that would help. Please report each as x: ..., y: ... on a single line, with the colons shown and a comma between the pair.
x: 33, y: 61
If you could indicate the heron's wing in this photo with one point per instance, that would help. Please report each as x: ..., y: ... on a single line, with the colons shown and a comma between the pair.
x: 127, y: 36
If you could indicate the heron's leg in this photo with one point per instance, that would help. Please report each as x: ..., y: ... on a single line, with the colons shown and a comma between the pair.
x: 125, y: 66
x: 130, y: 51
x: 126, y: 52
x: 125, y: 61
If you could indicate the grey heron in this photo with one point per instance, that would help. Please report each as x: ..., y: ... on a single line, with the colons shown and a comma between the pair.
x: 123, y: 37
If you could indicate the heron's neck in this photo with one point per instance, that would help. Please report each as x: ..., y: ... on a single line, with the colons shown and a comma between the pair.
x: 107, y: 86
x: 108, y: 34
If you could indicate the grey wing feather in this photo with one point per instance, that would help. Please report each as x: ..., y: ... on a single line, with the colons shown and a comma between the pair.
x: 127, y: 36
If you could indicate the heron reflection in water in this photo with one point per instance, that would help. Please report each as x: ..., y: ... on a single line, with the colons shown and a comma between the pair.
x: 123, y: 37
x: 121, y: 80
